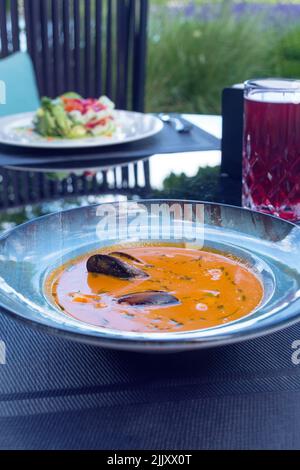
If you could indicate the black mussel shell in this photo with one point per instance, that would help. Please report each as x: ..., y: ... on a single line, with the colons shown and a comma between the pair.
x: 111, y: 266
x: 148, y: 298
x: 122, y: 254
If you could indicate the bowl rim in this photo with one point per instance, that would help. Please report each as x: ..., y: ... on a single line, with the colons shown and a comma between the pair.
x: 191, y: 201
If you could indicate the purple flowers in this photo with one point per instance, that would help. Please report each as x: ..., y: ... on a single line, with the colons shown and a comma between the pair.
x: 281, y: 14
x: 278, y: 14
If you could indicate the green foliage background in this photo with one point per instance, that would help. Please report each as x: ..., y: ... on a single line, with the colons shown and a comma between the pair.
x: 191, y: 60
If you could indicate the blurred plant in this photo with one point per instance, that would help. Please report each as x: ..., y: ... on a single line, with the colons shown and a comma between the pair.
x: 287, y: 54
x: 193, y: 57
x: 203, y: 186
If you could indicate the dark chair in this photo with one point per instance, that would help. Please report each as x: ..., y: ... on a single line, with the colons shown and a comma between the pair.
x: 92, y: 47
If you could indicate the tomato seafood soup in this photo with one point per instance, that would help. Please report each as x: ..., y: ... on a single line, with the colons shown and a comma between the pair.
x: 155, y: 288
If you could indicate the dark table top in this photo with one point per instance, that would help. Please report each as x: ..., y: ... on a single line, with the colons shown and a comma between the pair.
x: 58, y: 394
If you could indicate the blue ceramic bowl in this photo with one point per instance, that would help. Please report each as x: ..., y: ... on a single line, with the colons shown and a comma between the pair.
x: 267, y: 244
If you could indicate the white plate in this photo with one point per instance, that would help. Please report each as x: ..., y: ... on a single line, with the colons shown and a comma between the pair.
x: 17, y: 129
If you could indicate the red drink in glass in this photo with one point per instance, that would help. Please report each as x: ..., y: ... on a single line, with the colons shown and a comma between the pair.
x: 271, y: 150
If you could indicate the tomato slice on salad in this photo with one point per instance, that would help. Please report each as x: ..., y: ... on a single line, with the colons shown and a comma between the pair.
x: 82, y: 105
x: 98, y: 122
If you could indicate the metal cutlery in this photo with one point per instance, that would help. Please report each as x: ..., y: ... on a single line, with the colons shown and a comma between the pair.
x: 178, y: 124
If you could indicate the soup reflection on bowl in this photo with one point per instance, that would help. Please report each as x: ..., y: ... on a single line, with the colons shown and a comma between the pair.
x: 167, y: 287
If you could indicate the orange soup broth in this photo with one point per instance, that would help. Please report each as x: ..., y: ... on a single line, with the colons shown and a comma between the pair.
x: 212, y: 289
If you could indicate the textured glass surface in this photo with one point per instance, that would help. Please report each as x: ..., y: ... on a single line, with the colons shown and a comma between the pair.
x: 271, y: 151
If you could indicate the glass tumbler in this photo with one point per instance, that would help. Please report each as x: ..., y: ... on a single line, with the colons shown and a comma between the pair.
x: 271, y: 147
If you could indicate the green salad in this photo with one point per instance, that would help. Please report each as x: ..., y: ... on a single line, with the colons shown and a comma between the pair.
x: 70, y: 116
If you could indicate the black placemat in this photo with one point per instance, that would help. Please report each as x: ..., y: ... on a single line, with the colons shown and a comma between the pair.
x: 58, y: 394
x: 166, y: 141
